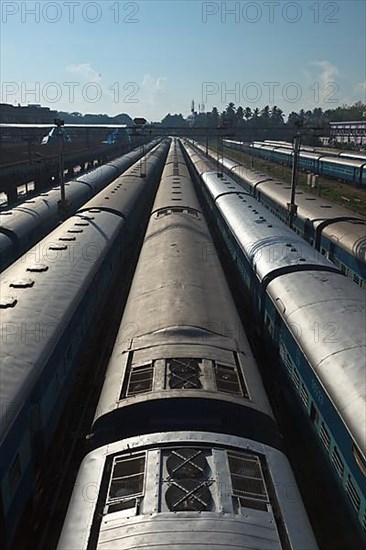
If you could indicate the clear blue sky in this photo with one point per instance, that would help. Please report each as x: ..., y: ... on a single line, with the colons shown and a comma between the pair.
x: 148, y: 58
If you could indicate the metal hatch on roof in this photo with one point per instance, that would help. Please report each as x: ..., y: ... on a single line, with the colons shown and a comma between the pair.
x: 22, y: 283
x: 37, y: 268
x: 7, y: 302
x: 58, y: 247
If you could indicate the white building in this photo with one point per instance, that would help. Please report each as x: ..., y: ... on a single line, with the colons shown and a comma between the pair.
x: 349, y: 132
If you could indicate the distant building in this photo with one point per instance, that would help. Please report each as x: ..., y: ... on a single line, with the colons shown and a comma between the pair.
x: 30, y: 114
x: 348, y: 132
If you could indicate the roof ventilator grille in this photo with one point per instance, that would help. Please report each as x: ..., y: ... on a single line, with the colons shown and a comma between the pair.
x: 184, y: 373
x: 188, y: 482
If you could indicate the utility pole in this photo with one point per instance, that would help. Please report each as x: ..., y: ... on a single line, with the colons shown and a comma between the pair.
x: 62, y: 204
x: 291, y: 206
x: 140, y: 123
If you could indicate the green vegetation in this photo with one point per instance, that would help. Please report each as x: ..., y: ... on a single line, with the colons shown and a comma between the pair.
x: 268, y: 123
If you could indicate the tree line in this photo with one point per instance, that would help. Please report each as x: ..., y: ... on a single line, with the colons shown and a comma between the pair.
x: 267, y: 123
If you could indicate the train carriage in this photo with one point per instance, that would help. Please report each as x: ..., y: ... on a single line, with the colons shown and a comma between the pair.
x: 50, y: 301
x: 294, y: 291
x: 204, y: 456
x: 29, y: 221
x: 331, y: 229
x: 173, y: 489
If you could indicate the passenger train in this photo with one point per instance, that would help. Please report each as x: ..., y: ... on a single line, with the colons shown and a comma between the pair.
x: 50, y: 302
x: 337, y: 233
x: 351, y: 169
x: 331, y: 152
x: 310, y: 318
x: 185, y: 449
x: 25, y: 224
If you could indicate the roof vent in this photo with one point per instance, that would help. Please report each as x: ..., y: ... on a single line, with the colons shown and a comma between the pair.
x: 37, y: 268
x: 22, y: 283
x: 58, y: 247
x: 186, y: 463
x: 184, y: 373
x: 189, y: 495
x: 188, y: 483
x: 7, y: 302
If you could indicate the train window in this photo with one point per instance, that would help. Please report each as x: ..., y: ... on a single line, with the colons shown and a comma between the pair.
x: 126, y: 483
x: 304, y: 395
x: 288, y: 363
x: 227, y: 379
x: 296, y: 378
x: 361, y: 462
x: 15, y: 474
x: 140, y: 380
x: 324, y: 436
x: 337, y: 462
x: 247, y: 481
x: 183, y: 373
x: 356, y: 278
x: 353, y: 493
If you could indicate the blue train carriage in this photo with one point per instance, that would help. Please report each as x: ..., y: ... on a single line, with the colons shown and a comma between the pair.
x: 321, y: 338
x: 351, y: 170
x: 343, y: 167
x: 308, y: 160
x: 268, y: 255
x: 186, y: 488
x: 214, y: 474
x: 331, y: 229
x: 180, y: 330
x: 50, y: 299
x: 336, y: 233
x: 25, y: 224
x: 344, y: 243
